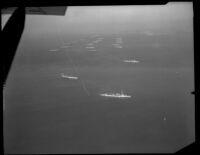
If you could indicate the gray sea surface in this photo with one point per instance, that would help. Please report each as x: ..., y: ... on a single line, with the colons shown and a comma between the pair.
x: 45, y: 113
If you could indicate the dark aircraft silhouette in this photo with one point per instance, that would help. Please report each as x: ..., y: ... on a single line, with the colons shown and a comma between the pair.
x: 13, y: 30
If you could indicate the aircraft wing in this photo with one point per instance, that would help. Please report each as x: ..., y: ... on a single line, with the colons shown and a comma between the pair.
x: 52, y: 10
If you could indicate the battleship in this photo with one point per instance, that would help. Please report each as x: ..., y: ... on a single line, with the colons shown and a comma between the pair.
x: 115, y: 95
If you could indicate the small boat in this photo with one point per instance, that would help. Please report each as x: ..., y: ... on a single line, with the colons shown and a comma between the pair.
x: 90, y: 47
x: 53, y: 50
x: 90, y: 44
x: 69, y: 77
x: 65, y: 46
x: 132, y: 61
x: 92, y: 50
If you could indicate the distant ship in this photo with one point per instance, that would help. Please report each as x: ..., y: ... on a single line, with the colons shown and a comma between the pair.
x: 65, y: 46
x: 90, y: 47
x: 53, y: 50
x: 132, y: 61
x: 69, y: 77
x: 90, y: 44
x: 115, y: 95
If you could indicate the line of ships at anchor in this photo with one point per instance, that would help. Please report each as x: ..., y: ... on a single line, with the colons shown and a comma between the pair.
x: 109, y: 95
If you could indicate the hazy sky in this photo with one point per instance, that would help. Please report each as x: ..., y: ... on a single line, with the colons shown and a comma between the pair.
x: 114, y: 19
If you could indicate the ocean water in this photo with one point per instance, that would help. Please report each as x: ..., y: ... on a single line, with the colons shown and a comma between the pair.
x: 45, y: 113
